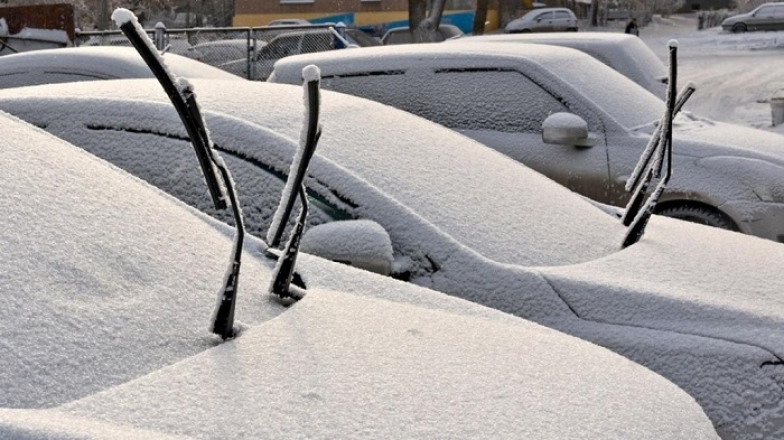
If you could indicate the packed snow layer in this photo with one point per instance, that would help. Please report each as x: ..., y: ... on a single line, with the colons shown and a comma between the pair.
x: 311, y: 374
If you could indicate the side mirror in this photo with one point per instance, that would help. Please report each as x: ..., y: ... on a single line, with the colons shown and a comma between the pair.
x: 567, y: 129
x: 359, y: 243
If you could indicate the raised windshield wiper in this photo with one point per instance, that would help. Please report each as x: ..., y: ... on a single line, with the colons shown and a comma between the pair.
x: 284, y: 269
x: 659, y: 149
x: 181, y: 94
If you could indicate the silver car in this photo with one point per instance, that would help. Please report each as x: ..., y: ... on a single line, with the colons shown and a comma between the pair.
x: 767, y: 17
x: 544, y: 20
x: 726, y: 176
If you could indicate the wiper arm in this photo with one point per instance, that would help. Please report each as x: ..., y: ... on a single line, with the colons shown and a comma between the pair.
x: 634, y: 217
x: 181, y: 94
x: 284, y: 270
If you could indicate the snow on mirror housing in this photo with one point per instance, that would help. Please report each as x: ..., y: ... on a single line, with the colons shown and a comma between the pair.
x: 360, y: 243
x: 567, y: 129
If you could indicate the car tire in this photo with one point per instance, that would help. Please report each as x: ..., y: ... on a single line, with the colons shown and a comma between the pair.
x: 699, y: 214
x: 574, y: 29
x: 739, y: 28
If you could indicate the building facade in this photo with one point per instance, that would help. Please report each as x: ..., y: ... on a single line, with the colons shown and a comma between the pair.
x: 360, y: 13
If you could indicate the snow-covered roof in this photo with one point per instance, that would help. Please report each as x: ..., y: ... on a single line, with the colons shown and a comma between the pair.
x: 625, y: 53
x: 89, y: 63
x: 108, y: 284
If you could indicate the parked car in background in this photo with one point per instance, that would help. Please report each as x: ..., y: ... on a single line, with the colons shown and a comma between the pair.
x: 725, y: 175
x: 71, y: 64
x: 294, y: 42
x: 402, y: 34
x: 289, y: 22
x: 626, y: 54
x: 544, y: 20
x: 477, y: 226
x: 219, y: 52
x: 177, y: 44
x: 110, y: 283
x: 766, y: 17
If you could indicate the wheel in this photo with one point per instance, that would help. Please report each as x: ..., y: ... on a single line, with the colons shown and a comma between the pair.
x: 739, y: 28
x: 699, y: 214
x: 525, y: 31
x: 571, y: 30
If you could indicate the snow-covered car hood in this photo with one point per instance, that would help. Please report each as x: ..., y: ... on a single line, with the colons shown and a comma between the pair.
x: 722, y: 285
x: 108, y: 287
x: 703, y: 138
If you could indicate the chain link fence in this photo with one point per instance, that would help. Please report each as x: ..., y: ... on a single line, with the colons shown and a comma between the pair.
x: 244, y: 51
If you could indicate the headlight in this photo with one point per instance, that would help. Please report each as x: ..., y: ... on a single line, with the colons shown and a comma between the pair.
x: 765, y: 179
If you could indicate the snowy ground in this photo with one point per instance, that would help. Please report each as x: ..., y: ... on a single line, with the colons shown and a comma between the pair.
x: 736, y: 74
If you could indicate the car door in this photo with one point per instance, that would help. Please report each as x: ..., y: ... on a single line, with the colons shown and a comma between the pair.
x: 778, y: 18
x: 763, y: 19
x: 543, y: 22
x: 562, y: 21
x: 502, y: 109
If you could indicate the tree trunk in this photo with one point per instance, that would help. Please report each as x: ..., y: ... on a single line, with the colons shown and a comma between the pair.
x: 507, y: 11
x: 416, y: 13
x: 480, y: 17
x: 594, y: 13
x: 426, y: 30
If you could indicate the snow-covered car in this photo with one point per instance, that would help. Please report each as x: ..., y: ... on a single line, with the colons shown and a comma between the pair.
x: 108, y: 284
x: 544, y: 20
x: 219, y: 52
x: 766, y: 17
x: 625, y: 53
x: 72, y: 64
x: 725, y: 175
x: 701, y: 306
x: 177, y: 44
x: 294, y: 42
x: 402, y: 34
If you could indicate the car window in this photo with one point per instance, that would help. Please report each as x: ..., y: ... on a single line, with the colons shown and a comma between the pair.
x: 471, y: 99
x: 545, y: 16
x: 765, y: 11
x: 283, y: 46
x: 362, y: 39
x: 562, y: 15
x: 158, y: 159
x: 317, y: 42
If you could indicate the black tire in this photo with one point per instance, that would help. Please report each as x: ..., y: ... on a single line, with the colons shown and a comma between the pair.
x: 699, y: 214
x: 571, y: 30
x: 525, y: 31
x: 739, y: 28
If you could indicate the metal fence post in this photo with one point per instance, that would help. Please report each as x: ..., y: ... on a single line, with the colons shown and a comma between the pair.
x: 160, y: 36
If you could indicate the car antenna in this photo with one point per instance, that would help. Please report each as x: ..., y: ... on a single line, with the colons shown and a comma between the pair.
x: 181, y: 94
x: 647, y: 169
x: 284, y: 269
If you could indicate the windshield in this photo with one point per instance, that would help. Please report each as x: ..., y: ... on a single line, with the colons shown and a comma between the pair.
x: 626, y: 102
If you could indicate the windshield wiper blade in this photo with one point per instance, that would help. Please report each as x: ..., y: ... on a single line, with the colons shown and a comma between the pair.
x: 654, y: 141
x: 662, y: 152
x: 301, y: 160
x: 181, y: 94
x: 284, y: 269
